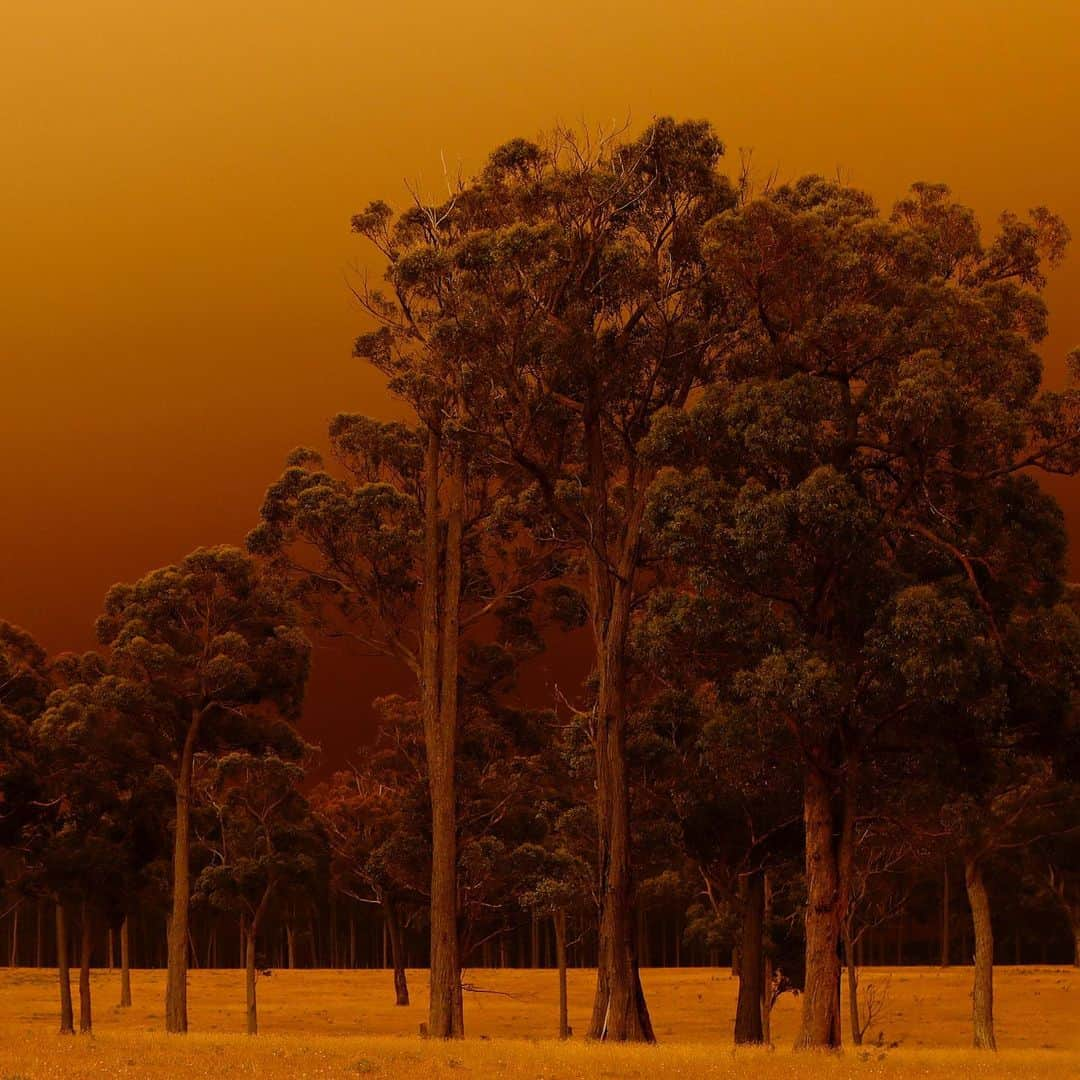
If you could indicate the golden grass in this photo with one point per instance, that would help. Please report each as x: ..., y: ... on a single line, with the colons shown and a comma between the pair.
x: 343, y: 1024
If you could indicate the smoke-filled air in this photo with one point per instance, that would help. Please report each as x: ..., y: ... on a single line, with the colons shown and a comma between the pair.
x: 539, y: 541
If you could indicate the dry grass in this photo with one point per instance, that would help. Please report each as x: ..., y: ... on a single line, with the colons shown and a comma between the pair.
x: 343, y: 1024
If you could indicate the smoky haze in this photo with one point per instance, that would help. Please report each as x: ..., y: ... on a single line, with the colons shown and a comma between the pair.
x: 178, y: 181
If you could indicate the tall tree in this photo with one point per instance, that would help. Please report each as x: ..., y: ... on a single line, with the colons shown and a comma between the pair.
x: 572, y: 294
x: 217, y: 649
x: 414, y: 541
x: 870, y: 433
x: 730, y: 778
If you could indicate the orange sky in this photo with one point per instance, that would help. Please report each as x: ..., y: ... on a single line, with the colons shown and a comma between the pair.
x: 176, y: 180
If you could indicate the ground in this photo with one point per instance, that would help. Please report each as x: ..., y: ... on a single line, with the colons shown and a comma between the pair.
x: 344, y: 1024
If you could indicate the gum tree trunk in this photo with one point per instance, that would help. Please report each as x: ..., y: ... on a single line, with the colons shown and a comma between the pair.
x: 982, y: 994
x: 559, y: 921
x: 397, y: 953
x: 63, y: 971
x: 125, y: 964
x: 748, y: 1027
x: 176, y: 1015
x: 619, y: 1010
x: 251, y: 1004
x: 766, y: 972
x: 853, y: 986
x: 86, y: 1019
x: 438, y: 684
x: 820, y: 1023
x: 249, y: 931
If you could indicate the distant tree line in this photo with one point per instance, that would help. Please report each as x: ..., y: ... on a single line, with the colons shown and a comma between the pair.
x: 771, y: 456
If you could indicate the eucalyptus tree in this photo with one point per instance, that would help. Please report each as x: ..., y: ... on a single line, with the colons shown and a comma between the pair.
x: 216, y: 649
x: 983, y: 742
x: 572, y: 297
x: 410, y: 540
x: 550, y: 882
x: 261, y: 838
x: 86, y: 845
x: 872, y: 434
x: 731, y: 784
x: 377, y: 825
x: 26, y: 681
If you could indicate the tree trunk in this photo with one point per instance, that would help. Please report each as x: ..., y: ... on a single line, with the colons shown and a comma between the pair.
x: 86, y: 1020
x: 445, y: 966
x: 15, y: 937
x: 176, y: 1015
x: 252, y: 1008
x: 767, y: 1002
x: 748, y: 1027
x: 439, y: 691
x: 559, y: 921
x: 946, y: 916
x: 397, y: 953
x: 63, y: 971
x: 290, y: 940
x: 110, y: 948
x: 982, y: 995
x: 619, y: 1009
x: 39, y: 936
x: 335, y: 958
x: 853, y: 985
x: 820, y: 1022
x: 766, y: 970
x: 125, y: 964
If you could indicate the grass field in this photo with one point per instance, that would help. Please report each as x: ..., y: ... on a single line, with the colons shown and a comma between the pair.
x: 344, y: 1024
